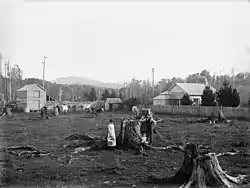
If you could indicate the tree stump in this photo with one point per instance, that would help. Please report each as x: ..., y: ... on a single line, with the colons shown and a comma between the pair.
x: 130, y: 135
x: 7, y: 173
x: 200, y: 171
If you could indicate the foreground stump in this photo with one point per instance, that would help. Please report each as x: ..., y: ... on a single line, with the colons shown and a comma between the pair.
x: 7, y: 174
x: 201, y: 171
x: 130, y: 135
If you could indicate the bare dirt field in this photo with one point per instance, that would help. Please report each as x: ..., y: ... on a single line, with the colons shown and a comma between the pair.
x: 114, y: 168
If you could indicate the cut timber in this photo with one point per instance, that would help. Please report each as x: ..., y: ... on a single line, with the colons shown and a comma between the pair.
x: 201, y: 171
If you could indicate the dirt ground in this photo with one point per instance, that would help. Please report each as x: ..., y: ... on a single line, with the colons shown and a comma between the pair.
x: 114, y: 168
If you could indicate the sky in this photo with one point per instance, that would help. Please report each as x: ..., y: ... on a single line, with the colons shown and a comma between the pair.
x: 114, y: 42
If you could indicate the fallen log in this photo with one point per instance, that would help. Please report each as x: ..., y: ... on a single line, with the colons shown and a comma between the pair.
x: 25, y: 151
x: 200, y: 171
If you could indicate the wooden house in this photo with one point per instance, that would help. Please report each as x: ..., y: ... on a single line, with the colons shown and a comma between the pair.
x: 176, y: 92
x: 31, y: 97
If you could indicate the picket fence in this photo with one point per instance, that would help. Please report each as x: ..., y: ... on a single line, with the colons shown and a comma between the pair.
x: 203, y: 111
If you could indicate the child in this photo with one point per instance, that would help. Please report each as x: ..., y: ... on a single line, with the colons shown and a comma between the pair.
x: 111, y: 139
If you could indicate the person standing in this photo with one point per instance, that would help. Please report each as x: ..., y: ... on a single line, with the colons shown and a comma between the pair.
x: 111, y: 138
x: 44, y: 112
x: 150, y: 125
x: 56, y: 111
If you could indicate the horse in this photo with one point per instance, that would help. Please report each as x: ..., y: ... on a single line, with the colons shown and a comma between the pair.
x: 96, y: 112
x: 99, y: 111
x: 86, y: 107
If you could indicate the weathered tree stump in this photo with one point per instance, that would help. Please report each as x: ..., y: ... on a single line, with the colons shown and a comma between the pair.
x: 200, y: 171
x: 130, y: 135
x: 7, y: 173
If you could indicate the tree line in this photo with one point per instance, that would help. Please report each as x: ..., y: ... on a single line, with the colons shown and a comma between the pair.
x: 141, y: 90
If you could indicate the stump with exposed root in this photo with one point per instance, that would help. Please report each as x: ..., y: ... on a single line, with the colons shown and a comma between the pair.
x: 200, y: 170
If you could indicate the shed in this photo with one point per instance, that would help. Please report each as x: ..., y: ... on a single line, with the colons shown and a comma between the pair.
x: 32, y: 97
x: 112, y: 103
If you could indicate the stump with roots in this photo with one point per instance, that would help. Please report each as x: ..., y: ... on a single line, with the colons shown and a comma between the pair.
x: 130, y: 135
x: 201, y: 171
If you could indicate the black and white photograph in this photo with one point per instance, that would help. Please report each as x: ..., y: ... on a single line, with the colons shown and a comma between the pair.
x: 125, y: 93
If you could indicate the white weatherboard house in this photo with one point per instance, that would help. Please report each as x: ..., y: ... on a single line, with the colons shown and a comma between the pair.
x: 176, y: 92
x: 32, y: 96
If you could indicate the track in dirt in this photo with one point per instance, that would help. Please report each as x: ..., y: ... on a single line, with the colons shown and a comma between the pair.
x: 113, y: 168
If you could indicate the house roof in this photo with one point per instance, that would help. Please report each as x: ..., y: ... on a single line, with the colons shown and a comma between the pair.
x: 168, y: 95
x: 192, y: 88
x: 161, y: 97
x: 26, y: 87
x: 114, y: 100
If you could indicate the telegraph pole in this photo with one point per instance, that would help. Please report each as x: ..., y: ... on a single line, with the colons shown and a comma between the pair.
x: 233, y: 77
x: 44, y: 58
x: 153, y: 80
x: 9, y: 70
x: 6, y: 81
x: 1, y: 80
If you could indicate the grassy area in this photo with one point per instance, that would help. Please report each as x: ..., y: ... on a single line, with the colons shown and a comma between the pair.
x: 112, y: 168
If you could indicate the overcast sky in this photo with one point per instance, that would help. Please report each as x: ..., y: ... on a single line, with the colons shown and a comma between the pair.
x: 113, y: 42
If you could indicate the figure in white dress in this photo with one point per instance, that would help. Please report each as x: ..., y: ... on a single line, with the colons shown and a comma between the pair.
x: 111, y: 139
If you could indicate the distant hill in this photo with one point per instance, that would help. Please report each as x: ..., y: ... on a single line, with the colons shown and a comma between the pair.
x: 84, y: 81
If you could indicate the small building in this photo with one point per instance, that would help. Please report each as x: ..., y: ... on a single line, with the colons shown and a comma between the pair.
x: 32, y: 97
x: 176, y: 92
x: 112, y: 103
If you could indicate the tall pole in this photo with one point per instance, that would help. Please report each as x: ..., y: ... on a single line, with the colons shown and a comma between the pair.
x: 1, y: 80
x: 6, y: 83
x: 44, y: 58
x: 153, y: 80
x: 233, y: 77
x: 9, y: 79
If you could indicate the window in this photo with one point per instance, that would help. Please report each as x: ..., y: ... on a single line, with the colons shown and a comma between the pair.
x: 36, y: 94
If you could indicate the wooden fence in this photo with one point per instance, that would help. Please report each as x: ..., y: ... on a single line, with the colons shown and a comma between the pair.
x: 203, y: 111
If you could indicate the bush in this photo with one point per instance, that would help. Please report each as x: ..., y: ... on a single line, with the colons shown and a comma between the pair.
x: 227, y: 96
x: 208, y: 97
x: 185, y: 100
x: 131, y: 102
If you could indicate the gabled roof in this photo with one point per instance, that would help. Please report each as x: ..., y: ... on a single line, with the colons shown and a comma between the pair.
x: 168, y: 95
x: 192, y: 88
x: 114, y: 100
x: 30, y: 86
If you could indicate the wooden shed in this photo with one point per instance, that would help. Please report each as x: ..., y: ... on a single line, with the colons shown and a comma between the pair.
x: 112, y: 103
x: 32, y: 97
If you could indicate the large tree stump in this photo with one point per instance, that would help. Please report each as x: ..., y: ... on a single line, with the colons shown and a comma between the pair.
x: 200, y: 171
x: 7, y: 173
x: 130, y: 135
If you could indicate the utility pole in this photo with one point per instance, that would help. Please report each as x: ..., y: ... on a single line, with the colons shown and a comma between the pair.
x: 6, y: 81
x: 220, y: 80
x: 233, y: 77
x: 9, y: 78
x: 1, y: 80
x: 44, y: 58
x: 153, y: 80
